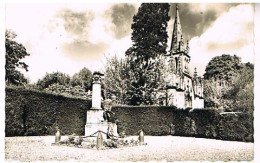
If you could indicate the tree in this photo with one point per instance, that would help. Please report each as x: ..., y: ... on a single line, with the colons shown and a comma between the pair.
x: 120, y: 80
x: 53, y: 78
x: 242, y: 92
x: 15, y: 52
x: 149, y: 38
x: 223, y: 67
x: 214, y: 94
x: 219, y: 76
x: 229, y: 84
x: 116, y: 76
x: 83, y: 78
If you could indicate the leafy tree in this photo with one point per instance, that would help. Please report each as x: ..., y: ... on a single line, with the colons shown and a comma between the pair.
x: 83, y: 78
x: 76, y: 91
x: 149, y: 38
x: 214, y: 94
x: 145, y: 82
x: 229, y: 84
x: 242, y: 92
x: 15, y: 52
x: 121, y: 80
x: 54, y: 78
x: 116, y: 78
x: 223, y: 67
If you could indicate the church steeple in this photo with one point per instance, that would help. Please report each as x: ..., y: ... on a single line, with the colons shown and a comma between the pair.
x: 177, y: 38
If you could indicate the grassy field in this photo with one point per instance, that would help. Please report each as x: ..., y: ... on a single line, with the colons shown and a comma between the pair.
x: 158, y: 148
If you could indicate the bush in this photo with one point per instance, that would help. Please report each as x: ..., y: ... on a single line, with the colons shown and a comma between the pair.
x: 37, y: 113
x: 207, y: 123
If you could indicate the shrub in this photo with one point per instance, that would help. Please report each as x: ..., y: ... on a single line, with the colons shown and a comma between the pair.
x: 37, y: 113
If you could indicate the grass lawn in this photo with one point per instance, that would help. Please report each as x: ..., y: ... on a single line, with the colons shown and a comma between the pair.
x: 158, y: 148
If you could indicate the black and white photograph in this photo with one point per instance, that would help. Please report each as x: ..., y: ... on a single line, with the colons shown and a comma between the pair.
x: 127, y: 82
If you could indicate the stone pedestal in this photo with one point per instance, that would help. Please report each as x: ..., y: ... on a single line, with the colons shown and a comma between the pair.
x: 91, y: 128
x: 95, y: 116
x: 95, y: 120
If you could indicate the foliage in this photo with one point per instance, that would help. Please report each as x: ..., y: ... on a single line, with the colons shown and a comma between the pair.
x: 149, y: 34
x: 72, y: 140
x: 149, y: 38
x: 229, y: 84
x: 116, y: 78
x: 15, y: 52
x: 37, y: 113
x: 242, y: 92
x: 119, y: 143
x: 76, y: 91
x: 61, y: 83
x: 123, y: 81
x: 223, y: 67
x: 145, y: 82
x: 53, y: 78
x: 83, y: 78
x: 236, y: 127
x: 156, y: 120
x: 214, y: 94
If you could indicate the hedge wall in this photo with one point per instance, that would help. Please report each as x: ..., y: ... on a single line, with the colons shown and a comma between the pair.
x: 156, y: 120
x: 36, y: 113
x: 152, y: 120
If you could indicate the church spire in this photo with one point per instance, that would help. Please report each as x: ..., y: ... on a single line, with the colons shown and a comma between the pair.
x: 177, y: 42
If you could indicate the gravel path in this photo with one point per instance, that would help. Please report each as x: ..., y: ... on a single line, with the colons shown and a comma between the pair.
x: 159, y: 148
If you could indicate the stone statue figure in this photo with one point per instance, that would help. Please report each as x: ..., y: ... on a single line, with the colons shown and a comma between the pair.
x: 109, y: 116
x: 96, y: 77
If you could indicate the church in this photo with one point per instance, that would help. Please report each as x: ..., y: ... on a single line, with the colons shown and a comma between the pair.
x: 182, y: 90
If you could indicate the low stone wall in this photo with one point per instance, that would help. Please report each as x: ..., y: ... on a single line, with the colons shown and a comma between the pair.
x: 37, y: 113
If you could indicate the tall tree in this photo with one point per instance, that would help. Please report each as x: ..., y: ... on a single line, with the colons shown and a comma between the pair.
x: 223, y: 67
x: 149, y: 38
x: 229, y: 84
x: 242, y: 91
x: 83, y: 78
x: 149, y: 34
x: 117, y: 78
x: 15, y: 52
x: 121, y: 80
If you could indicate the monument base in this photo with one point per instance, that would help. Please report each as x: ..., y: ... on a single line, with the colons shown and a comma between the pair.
x: 95, y: 115
x: 91, y: 128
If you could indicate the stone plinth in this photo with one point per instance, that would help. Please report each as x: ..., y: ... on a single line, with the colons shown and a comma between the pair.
x: 91, y: 128
x: 95, y: 122
x: 95, y: 116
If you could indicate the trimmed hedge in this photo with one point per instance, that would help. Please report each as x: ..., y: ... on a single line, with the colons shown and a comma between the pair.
x: 156, y: 120
x: 37, y: 113
x: 236, y: 127
x: 152, y: 120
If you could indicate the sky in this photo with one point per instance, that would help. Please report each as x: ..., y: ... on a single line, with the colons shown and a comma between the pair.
x: 68, y: 37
